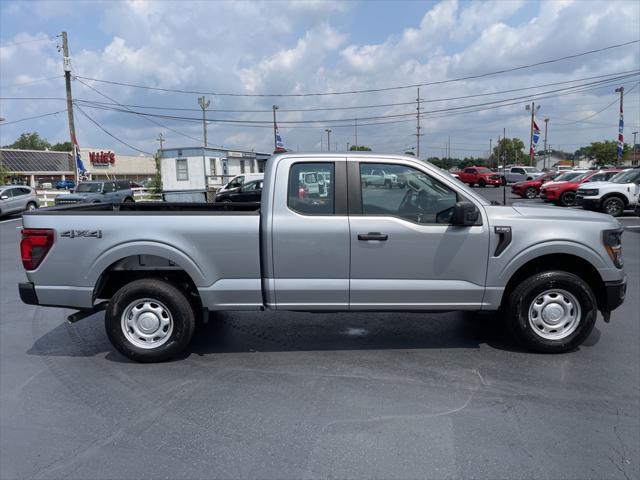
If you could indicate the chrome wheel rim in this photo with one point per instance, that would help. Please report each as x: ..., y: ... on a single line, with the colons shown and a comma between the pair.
x: 554, y: 314
x: 31, y: 207
x: 530, y: 193
x: 614, y: 206
x: 147, y: 323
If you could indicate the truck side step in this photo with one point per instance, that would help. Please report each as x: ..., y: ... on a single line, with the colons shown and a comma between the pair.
x: 84, y: 313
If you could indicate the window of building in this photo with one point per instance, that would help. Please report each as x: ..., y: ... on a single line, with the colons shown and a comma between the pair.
x: 413, y: 195
x: 311, y: 188
x: 212, y: 167
x: 182, y: 169
x: 242, y: 166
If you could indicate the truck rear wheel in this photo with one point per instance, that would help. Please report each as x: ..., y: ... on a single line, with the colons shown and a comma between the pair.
x: 149, y: 320
x: 551, y: 312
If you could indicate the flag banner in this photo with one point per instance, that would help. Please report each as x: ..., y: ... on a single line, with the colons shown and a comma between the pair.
x: 621, y: 135
x: 279, y: 142
x: 78, y: 156
x: 536, y: 137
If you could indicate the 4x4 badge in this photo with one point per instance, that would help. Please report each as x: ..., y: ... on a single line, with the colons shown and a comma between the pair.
x: 82, y: 233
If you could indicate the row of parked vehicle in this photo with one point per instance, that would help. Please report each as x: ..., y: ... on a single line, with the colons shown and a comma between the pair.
x: 19, y: 198
x: 609, y: 190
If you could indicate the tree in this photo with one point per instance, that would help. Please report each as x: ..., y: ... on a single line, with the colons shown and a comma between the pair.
x: 360, y: 148
x: 605, y: 153
x: 509, y: 150
x: 30, y: 141
x: 62, y: 147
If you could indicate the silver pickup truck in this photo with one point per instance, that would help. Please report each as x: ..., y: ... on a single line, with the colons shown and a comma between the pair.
x: 434, y: 245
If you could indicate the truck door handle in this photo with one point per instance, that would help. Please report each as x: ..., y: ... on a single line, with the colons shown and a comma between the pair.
x: 373, y: 236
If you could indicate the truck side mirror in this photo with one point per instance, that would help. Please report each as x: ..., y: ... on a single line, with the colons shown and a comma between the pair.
x: 464, y: 214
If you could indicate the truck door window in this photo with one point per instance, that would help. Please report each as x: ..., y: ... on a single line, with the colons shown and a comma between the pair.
x: 310, y: 189
x: 415, y: 196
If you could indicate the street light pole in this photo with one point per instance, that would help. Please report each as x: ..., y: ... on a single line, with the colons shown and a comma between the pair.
x: 328, y: 130
x: 635, y: 152
x: 490, y: 152
x: 204, y: 104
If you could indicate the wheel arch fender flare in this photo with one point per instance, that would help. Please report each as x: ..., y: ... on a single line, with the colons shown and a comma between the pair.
x: 135, y: 248
x: 545, y: 249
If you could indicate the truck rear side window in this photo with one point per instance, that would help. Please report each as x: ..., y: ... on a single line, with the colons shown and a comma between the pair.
x: 311, y: 188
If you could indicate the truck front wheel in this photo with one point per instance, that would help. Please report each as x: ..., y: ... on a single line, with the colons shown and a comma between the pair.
x: 551, y: 312
x: 149, y: 320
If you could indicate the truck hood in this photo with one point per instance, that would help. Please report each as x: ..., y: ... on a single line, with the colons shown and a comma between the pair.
x: 564, y: 214
x: 616, y: 186
x: 79, y: 197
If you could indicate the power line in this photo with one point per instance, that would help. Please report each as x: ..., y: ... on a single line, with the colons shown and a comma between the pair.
x: 148, y: 119
x: 42, y: 39
x: 599, y: 111
x: 4, y: 124
x: 383, y: 105
x: 431, y: 114
x: 111, y: 134
x: 370, y: 90
x: 31, y: 82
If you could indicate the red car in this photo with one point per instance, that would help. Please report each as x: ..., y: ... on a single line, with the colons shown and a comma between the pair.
x: 481, y: 176
x: 531, y: 188
x: 563, y: 191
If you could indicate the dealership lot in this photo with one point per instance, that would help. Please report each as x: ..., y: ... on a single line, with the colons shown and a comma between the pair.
x: 286, y: 395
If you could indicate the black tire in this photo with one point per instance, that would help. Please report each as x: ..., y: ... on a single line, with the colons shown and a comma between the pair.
x: 129, y: 200
x: 387, y: 184
x: 32, y: 206
x: 531, y: 193
x: 568, y: 198
x: 482, y: 183
x: 496, y: 185
x: 521, y: 298
x: 614, y: 206
x: 176, y: 303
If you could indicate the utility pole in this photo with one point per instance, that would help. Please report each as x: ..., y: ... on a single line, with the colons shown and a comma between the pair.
x: 161, y: 140
x: 544, y: 161
x: 347, y: 146
x: 418, y: 134
x: 620, y: 90
x: 490, y: 153
x: 356, y: 134
x: 275, y: 129
x: 504, y: 169
x: 449, y: 147
x: 66, y: 62
x: 328, y: 130
x: 635, y: 151
x: 533, y: 109
x: 321, y: 140
x: 204, y: 104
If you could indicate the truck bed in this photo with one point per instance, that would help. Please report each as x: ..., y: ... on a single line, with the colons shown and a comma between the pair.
x: 151, y: 208
x: 217, y: 245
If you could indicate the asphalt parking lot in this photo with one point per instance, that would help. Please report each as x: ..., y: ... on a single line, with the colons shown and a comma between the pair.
x: 293, y: 395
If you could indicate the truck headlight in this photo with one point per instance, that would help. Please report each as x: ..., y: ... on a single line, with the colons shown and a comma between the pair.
x: 612, y: 240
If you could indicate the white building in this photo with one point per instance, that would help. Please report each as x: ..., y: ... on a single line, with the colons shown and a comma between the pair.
x: 195, y: 170
x: 104, y: 163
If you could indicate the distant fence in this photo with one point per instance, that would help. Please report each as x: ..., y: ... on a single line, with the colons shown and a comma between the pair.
x: 47, y: 197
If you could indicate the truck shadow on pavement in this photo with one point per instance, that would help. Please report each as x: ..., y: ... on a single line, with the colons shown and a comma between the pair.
x: 286, y: 332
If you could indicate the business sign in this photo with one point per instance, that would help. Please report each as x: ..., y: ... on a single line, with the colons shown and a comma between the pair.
x: 102, y: 159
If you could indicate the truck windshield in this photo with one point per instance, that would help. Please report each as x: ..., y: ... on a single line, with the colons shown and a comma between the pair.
x: 531, y: 170
x: 89, y: 187
x: 484, y: 170
x: 628, y: 176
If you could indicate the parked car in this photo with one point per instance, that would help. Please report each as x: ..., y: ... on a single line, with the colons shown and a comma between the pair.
x: 248, y: 192
x: 531, y: 188
x: 480, y: 176
x: 613, y: 197
x: 564, y: 192
x: 520, y: 173
x: 103, y: 191
x: 378, y: 177
x: 67, y: 184
x: 16, y: 199
x: 437, y: 246
x: 240, y: 180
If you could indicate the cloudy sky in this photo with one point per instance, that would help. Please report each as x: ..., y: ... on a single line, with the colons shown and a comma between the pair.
x: 261, y: 48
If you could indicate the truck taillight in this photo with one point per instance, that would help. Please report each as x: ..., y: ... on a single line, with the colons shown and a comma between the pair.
x: 35, y: 244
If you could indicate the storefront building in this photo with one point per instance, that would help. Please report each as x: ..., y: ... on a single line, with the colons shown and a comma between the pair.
x: 37, y: 167
x: 201, y: 168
